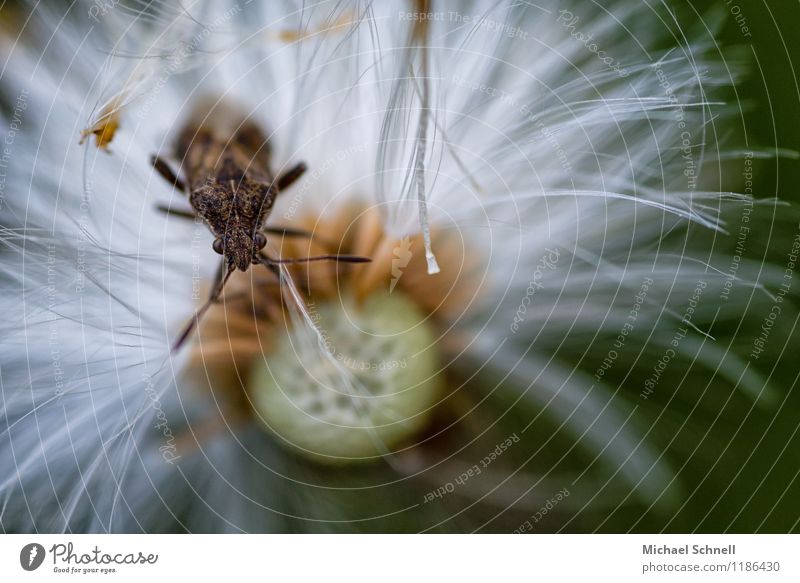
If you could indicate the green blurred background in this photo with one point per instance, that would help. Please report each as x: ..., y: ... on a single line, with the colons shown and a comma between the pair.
x: 773, y: 87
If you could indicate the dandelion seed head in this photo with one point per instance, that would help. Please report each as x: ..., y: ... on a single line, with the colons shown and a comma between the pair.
x: 387, y: 345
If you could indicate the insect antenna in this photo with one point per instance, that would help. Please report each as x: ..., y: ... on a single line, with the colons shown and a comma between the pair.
x: 269, y: 261
x: 272, y: 264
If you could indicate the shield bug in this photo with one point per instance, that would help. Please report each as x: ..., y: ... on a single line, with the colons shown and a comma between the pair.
x: 225, y: 171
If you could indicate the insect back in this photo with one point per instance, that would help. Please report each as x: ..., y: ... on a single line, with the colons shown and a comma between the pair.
x: 225, y: 171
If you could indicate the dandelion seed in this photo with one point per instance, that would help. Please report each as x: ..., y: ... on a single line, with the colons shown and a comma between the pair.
x: 338, y: 26
x: 107, y: 124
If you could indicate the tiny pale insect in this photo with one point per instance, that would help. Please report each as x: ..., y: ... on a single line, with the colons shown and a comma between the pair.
x: 225, y: 171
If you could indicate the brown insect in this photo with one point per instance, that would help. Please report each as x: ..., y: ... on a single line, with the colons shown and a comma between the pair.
x: 225, y: 164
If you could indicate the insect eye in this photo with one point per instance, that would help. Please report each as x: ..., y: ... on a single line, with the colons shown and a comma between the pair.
x: 217, y: 245
x: 260, y: 241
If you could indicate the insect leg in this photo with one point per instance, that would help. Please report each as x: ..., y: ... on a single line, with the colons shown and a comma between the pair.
x: 184, y: 214
x: 288, y: 177
x: 166, y: 172
x: 223, y: 273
